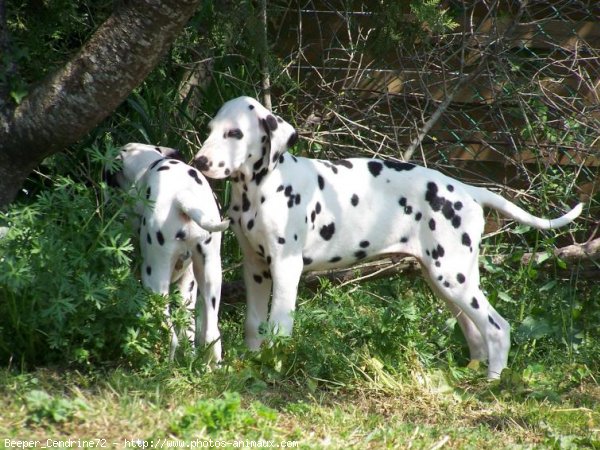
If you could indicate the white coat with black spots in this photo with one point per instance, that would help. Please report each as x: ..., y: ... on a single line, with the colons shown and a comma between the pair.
x: 292, y: 214
x: 180, y: 236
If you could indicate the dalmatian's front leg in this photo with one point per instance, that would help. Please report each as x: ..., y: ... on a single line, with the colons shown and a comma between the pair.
x: 286, y: 272
x: 257, y: 278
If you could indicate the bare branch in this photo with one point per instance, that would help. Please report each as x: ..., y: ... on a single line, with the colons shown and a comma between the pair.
x: 264, y: 61
x: 462, y: 82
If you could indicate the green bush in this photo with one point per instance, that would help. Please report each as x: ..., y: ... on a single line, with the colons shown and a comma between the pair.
x: 67, y: 292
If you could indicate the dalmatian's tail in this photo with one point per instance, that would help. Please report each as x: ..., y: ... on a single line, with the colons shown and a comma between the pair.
x: 188, y: 205
x: 499, y: 203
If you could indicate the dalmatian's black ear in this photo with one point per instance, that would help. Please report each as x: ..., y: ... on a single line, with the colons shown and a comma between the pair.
x: 278, y: 141
x: 112, y: 172
x: 271, y: 122
x: 292, y: 140
x: 172, y: 153
x: 110, y: 178
x: 269, y: 126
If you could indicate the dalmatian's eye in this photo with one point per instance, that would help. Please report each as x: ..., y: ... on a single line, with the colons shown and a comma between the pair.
x: 235, y: 133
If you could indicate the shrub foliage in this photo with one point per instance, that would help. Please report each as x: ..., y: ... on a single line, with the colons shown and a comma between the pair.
x: 67, y: 292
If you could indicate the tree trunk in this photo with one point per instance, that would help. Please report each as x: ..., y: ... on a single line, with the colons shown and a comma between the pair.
x: 65, y: 106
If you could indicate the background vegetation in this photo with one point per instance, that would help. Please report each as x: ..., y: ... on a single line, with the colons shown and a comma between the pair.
x: 379, y: 363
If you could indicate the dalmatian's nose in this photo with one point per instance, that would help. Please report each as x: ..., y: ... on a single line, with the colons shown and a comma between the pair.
x: 202, y: 163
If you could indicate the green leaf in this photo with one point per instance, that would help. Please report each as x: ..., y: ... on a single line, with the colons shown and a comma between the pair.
x: 535, y: 328
x: 543, y: 256
x: 548, y: 286
x: 505, y: 297
x: 521, y: 229
x: 18, y: 95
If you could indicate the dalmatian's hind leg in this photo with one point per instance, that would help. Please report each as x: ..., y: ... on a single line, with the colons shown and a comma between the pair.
x: 186, y: 285
x: 477, y: 347
x: 207, y: 269
x: 156, y: 276
x: 476, y: 343
x: 486, y: 332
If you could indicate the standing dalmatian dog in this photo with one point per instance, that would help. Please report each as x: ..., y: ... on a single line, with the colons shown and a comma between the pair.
x: 292, y: 214
x: 180, y: 235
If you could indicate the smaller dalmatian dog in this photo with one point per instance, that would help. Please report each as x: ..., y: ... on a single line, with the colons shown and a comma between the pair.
x: 292, y: 214
x: 180, y: 235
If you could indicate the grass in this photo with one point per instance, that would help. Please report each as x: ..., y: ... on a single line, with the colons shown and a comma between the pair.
x: 422, y: 412
x: 362, y: 371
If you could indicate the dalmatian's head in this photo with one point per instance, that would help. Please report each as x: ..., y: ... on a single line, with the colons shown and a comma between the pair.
x: 244, y: 137
x: 134, y: 159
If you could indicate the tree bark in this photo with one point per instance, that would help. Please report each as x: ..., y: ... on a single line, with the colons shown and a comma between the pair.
x: 585, y: 255
x: 65, y: 106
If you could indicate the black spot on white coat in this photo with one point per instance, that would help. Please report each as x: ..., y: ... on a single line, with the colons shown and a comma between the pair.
x: 321, y: 182
x: 156, y: 163
x: 375, y: 167
x: 327, y: 231
x: 245, y: 202
x: 466, y: 240
x: 344, y: 163
x: 360, y: 254
x: 398, y: 165
x: 194, y: 174
x: 493, y: 322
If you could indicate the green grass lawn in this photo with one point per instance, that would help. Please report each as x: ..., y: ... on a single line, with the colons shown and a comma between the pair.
x: 362, y: 371
x: 420, y: 411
